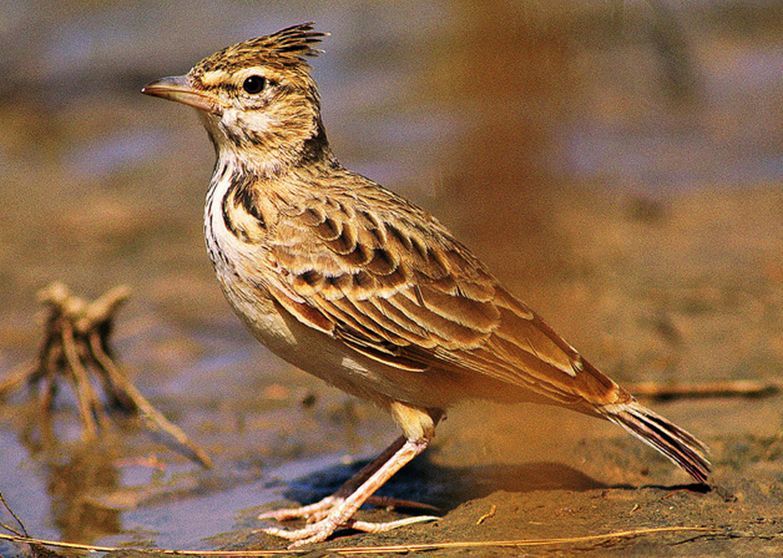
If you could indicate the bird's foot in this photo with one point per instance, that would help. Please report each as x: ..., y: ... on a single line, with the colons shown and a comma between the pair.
x: 337, y: 511
x: 336, y: 519
x: 319, y: 510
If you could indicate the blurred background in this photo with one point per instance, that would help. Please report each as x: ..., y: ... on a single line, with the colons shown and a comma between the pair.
x: 619, y: 165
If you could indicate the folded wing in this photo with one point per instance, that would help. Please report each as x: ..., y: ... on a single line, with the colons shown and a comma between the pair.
x: 403, y: 292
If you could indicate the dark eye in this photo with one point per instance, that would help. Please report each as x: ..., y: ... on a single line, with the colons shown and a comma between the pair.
x: 254, y: 84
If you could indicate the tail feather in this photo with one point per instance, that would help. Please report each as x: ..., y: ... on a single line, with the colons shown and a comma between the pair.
x: 679, y: 446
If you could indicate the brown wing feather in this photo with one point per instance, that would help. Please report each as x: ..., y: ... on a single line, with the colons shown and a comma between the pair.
x: 403, y: 292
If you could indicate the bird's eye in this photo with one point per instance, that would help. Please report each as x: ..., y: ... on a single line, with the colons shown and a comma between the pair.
x: 254, y: 84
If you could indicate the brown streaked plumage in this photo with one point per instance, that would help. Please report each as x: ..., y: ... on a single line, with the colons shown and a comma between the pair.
x: 358, y: 286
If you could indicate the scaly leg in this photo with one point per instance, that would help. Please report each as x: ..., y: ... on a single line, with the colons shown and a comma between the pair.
x: 341, y: 512
x: 320, y: 509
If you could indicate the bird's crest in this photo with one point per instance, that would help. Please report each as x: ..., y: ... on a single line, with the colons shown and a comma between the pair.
x: 287, y: 47
x: 297, y: 40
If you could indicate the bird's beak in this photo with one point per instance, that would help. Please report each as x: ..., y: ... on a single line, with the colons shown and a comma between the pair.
x: 177, y: 88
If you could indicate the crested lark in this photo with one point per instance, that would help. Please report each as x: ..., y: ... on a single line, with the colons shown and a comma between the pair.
x: 358, y: 286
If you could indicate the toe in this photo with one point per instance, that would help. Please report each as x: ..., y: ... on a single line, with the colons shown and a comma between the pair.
x: 369, y: 527
x: 314, y: 533
x: 316, y: 538
x: 288, y: 534
x: 318, y: 509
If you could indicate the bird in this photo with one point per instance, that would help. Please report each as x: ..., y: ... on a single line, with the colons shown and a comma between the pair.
x: 362, y: 288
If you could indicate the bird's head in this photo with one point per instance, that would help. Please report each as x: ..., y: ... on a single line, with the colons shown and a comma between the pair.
x: 257, y: 99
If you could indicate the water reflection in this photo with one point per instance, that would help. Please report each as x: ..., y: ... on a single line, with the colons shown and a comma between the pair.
x: 74, y: 486
x: 55, y: 485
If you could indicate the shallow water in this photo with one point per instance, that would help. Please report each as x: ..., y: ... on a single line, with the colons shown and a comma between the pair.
x: 484, y: 117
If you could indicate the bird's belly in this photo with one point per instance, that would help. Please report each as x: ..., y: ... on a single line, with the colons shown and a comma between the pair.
x: 299, y: 344
x: 329, y: 359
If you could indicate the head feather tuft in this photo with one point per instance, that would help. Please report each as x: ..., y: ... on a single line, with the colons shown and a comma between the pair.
x: 286, y: 48
x: 297, y: 40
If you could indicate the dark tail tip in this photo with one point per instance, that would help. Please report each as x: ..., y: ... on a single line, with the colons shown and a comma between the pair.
x: 679, y: 446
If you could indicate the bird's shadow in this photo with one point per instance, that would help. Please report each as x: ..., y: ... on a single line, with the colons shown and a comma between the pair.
x: 447, y: 486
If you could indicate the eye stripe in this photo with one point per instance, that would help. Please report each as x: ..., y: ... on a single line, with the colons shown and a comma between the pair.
x: 222, y: 86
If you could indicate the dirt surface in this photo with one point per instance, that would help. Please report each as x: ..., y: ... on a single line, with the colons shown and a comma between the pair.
x: 629, y: 191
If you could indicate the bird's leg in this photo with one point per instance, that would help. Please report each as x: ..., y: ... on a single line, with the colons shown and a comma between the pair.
x: 320, y: 509
x: 341, y: 513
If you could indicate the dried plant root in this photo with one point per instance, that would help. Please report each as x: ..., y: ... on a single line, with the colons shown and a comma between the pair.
x: 76, y: 347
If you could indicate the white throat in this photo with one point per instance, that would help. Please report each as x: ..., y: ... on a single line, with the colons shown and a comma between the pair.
x: 223, y: 247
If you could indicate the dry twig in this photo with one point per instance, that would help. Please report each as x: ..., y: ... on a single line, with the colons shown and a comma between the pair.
x: 383, y: 549
x: 491, y: 513
x: 16, y: 518
x: 727, y: 388
x: 76, y: 346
